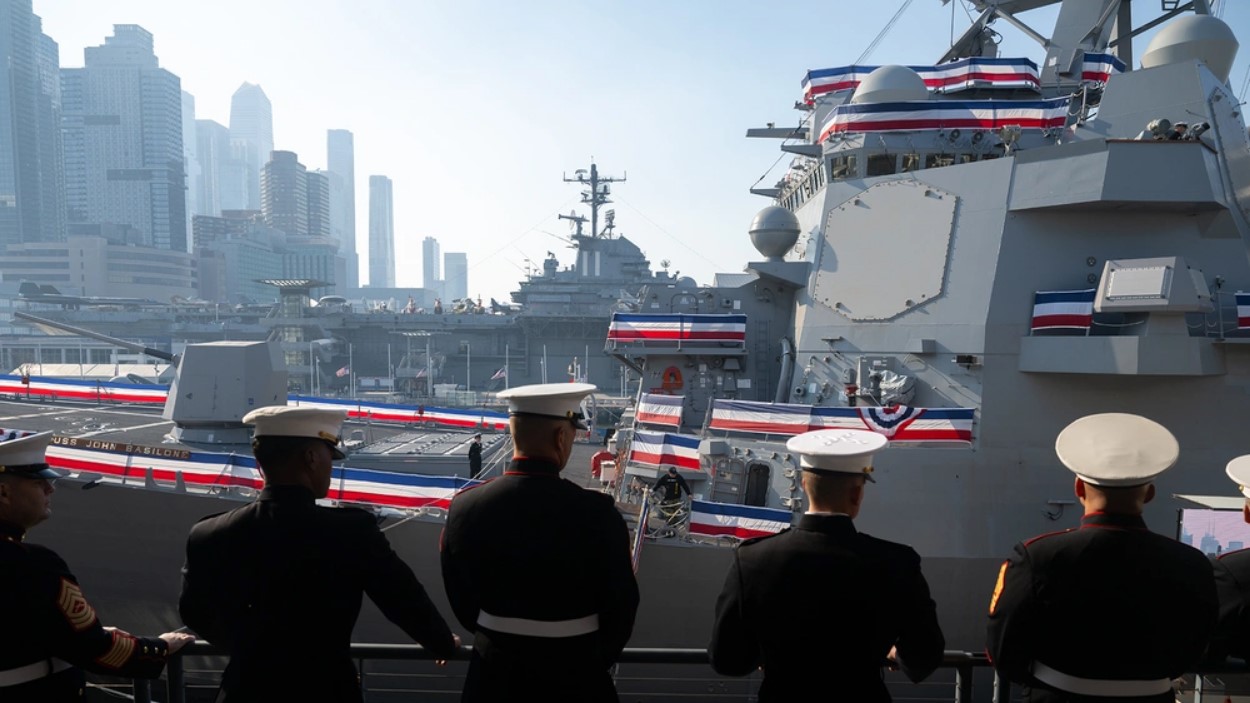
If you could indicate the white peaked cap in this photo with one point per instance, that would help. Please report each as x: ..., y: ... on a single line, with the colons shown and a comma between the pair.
x: 285, y: 421
x: 1239, y: 471
x: 24, y: 456
x: 838, y: 451
x: 557, y: 400
x: 1117, y: 449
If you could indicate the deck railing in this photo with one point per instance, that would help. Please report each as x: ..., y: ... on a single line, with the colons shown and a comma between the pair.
x: 964, y: 677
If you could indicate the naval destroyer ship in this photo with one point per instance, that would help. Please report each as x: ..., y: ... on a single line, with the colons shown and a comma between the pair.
x: 964, y: 257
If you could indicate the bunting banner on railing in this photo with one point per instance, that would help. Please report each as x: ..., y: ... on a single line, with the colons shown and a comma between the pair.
x: 962, y: 74
x: 1097, y: 69
x: 658, y: 409
x: 738, y: 521
x: 118, y: 392
x: 1243, y: 310
x: 677, y: 327
x: 1063, y: 309
x: 664, y: 449
x: 395, y: 490
x: 132, y: 463
x: 942, y: 114
x: 900, y: 423
x: 414, y: 414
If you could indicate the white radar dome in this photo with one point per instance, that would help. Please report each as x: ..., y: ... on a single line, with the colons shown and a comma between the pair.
x: 890, y: 84
x: 774, y: 230
x: 1201, y: 37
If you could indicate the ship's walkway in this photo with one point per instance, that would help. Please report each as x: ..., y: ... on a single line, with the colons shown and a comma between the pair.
x: 405, y: 673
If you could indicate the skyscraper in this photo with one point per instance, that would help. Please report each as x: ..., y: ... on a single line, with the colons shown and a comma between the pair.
x: 32, y: 186
x: 341, y: 161
x: 213, y: 153
x: 251, y: 134
x: 122, y: 120
x: 317, y: 185
x: 430, y: 261
x: 455, y: 275
x: 190, y: 159
x: 284, y: 194
x: 381, y: 233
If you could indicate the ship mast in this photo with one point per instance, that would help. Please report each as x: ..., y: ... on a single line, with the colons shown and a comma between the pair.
x: 596, y: 196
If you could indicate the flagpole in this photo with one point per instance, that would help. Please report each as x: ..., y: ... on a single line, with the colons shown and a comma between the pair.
x: 505, y: 366
x: 351, y: 374
x: 586, y: 367
x: 544, y: 363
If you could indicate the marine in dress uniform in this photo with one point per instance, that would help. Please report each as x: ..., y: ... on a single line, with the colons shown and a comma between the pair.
x: 1232, y: 582
x: 278, y: 583
x: 51, y: 632
x: 537, y: 567
x: 1109, y: 611
x: 821, y: 606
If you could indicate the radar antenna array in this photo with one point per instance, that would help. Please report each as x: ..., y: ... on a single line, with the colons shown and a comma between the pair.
x: 596, y: 196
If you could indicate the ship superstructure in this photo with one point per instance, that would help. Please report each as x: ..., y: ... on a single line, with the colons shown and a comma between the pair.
x: 965, y: 257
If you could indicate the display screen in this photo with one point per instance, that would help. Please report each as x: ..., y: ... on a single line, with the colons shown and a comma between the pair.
x: 1214, y: 531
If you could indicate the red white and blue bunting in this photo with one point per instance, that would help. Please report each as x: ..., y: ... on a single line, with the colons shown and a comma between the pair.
x: 901, y: 424
x: 657, y: 409
x: 677, y: 327
x: 917, y: 115
x: 737, y: 521
x: 664, y: 449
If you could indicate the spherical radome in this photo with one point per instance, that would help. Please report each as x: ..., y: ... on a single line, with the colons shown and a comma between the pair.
x: 1201, y: 37
x: 890, y: 84
x: 774, y: 230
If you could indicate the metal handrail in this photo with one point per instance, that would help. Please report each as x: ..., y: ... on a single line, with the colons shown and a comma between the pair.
x: 963, y: 663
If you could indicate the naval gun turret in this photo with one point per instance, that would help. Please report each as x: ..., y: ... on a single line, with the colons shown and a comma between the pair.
x: 216, y: 383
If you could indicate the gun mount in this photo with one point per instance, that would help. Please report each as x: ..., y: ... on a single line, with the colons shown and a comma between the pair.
x: 216, y: 384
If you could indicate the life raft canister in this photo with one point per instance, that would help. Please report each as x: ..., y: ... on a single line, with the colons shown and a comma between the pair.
x: 670, y: 380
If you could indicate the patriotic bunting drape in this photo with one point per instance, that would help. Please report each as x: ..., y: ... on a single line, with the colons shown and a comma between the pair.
x: 901, y: 423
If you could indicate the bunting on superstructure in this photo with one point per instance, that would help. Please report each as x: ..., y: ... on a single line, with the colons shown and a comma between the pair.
x: 1243, y: 310
x: 737, y: 521
x: 901, y: 423
x: 962, y: 74
x: 917, y: 115
x: 664, y: 449
x: 677, y: 327
x: 659, y: 409
x: 1063, y: 310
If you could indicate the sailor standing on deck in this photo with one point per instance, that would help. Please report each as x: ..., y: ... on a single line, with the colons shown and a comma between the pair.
x: 537, y: 567
x: 1108, y: 611
x: 277, y: 583
x: 51, y: 631
x: 821, y: 606
x: 1232, y: 582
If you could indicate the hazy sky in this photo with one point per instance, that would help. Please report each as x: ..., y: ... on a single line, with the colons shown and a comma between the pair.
x: 475, y: 109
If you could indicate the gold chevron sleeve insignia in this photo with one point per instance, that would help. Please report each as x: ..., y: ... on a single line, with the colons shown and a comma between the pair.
x: 998, y: 587
x: 74, y: 606
x: 119, y: 652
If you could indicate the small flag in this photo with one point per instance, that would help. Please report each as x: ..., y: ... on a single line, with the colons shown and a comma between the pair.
x: 643, y: 515
x: 501, y: 373
x: 343, y: 371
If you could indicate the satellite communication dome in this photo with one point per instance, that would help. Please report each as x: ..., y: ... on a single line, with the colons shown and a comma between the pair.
x: 774, y: 230
x: 686, y: 283
x: 890, y: 84
x: 1201, y: 37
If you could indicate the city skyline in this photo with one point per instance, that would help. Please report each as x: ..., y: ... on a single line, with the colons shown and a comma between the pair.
x: 656, y: 70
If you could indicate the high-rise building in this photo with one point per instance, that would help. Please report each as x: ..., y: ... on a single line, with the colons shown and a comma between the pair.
x: 431, y: 277
x: 284, y: 194
x: 234, y: 254
x: 122, y: 126
x: 213, y: 153
x: 190, y: 159
x: 455, y: 275
x: 381, y: 233
x: 32, y: 186
x: 251, y: 133
x: 342, y: 170
x: 317, y: 186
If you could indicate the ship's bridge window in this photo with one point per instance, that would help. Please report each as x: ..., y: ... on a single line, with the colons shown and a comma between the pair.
x: 843, y: 167
x: 881, y: 164
x: 911, y: 162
